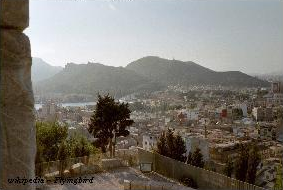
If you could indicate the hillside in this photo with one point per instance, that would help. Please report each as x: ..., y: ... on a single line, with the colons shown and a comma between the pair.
x: 144, y: 75
x: 92, y: 78
x: 41, y: 70
x: 172, y: 72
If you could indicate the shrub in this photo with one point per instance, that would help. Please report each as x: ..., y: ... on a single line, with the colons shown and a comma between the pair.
x: 189, y: 182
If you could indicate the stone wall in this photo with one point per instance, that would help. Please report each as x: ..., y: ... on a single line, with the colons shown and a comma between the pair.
x: 205, y: 179
x: 152, y: 185
x: 18, y: 146
x: 112, y: 163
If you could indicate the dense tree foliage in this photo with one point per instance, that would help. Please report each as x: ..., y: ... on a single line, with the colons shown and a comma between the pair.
x: 53, y: 143
x: 170, y: 138
x: 228, y: 170
x: 161, y: 144
x: 278, y: 180
x: 246, y: 163
x: 63, y: 155
x: 79, y: 146
x: 49, y: 137
x: 109, y: 121
x: 241, y: 164
x: 195, y: 158
x: 179, y: 148
x: 254, y: 160
x: 171, y: 145
x: 63, y: 152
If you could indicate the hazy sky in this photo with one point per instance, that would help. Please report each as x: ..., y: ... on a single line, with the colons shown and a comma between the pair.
x: 245, y: 35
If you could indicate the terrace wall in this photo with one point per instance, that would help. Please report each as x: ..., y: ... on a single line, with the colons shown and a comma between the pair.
x: 205, y: 179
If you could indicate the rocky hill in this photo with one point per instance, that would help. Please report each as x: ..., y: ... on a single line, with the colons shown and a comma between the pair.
x: 92, y: 78
x: 172, y: 72
x: 41, y: 70
x: 143, y: 75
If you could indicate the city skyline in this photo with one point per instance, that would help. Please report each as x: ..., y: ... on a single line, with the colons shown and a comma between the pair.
x: 220, y: 35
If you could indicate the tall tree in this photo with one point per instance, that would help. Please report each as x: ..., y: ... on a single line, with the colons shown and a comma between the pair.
x: 171, y: 145
x: 241, y: 164
x: 180, y: 148
x: 109, y: 121
x: 246, y: 163
x: 254, y: 160
x: 197, y: 158
x: 161, y: 145
x: 228, y: 170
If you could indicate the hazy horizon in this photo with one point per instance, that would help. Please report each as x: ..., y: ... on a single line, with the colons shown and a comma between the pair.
x: 220, y: 35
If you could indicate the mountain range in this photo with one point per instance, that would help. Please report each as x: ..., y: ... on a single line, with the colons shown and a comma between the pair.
x: 92, y: 78
x: 143, y: 75
x: 172, y: 72
x: 41, y: 70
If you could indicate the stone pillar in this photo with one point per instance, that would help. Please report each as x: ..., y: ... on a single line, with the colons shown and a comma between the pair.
x: 17, y: 134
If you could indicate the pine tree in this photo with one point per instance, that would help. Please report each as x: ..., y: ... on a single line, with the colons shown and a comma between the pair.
x: 161, y: 145
x: 197, y: 159
x: 180, y: 148
x: 109, y: 121
x: 170, y: 143
x: 228, y: 170
x: 241, y: 164
x: 254, y: 160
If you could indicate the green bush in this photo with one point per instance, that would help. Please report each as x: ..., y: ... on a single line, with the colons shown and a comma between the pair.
x: 49, y: 137
x: 53, y: 143
x: 80, y: 146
